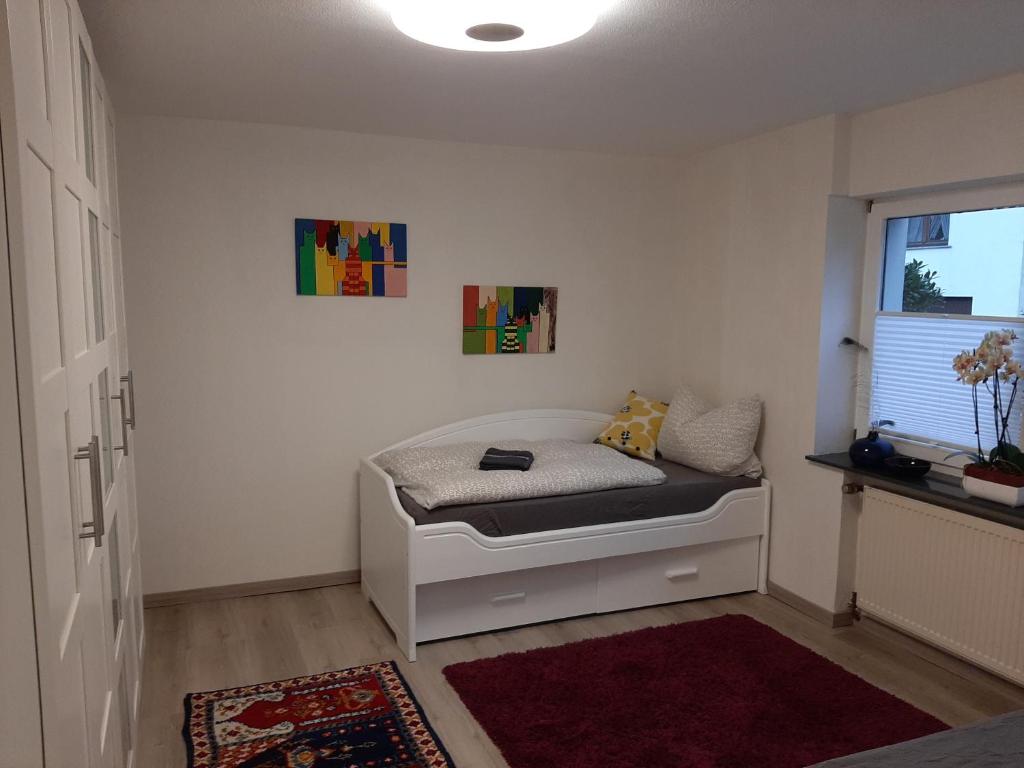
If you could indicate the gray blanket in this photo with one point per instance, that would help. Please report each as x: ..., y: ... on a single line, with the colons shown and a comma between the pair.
x: 995, y: 743
x: 450, y: 474
x: 685, y: 492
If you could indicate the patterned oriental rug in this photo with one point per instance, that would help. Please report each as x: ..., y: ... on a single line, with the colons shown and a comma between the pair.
x: 364, y: 717
x: 726, y: 692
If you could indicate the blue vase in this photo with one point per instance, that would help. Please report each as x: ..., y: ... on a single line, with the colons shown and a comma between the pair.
x: 871, y: 451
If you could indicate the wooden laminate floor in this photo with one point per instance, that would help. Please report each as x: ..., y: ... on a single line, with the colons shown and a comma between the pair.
x: 241, y: 641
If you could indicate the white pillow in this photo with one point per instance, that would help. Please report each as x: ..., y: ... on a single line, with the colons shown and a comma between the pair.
x: 719, y: 441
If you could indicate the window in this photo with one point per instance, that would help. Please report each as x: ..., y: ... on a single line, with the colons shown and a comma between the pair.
x: 929, y: 231
x: 934, y: 303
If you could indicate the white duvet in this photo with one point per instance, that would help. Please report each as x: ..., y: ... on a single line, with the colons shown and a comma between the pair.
x: 449, y: 474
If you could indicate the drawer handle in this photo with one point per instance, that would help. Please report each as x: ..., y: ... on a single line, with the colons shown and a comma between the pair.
x: 681, y: 573
x: 508, y: 598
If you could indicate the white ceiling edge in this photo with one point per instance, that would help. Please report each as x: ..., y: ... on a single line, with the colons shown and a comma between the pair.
x: 658, y: 78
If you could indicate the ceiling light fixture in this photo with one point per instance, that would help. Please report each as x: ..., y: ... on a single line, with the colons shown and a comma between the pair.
x: 495, y: 25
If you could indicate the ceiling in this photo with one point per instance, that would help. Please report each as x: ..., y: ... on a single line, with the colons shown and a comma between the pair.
x: 653, y: 76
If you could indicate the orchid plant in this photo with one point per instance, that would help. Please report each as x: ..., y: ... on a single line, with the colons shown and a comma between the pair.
x: 993, y: 367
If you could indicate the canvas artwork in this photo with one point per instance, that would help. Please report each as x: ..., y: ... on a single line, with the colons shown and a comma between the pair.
x: 350, y: 258
x: 499, y: 320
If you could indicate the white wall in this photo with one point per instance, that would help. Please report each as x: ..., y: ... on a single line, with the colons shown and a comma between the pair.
x: 763, y: 272
x: 969, y: 135
x: 255, y: 404
x: 753, y: 223
x: 840, y: 318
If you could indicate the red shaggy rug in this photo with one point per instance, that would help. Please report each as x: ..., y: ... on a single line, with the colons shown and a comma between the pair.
x: 364, y: 717
x: 720, y: 693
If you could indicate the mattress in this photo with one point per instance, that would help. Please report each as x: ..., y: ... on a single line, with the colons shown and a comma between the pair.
x: 995, y: 743
x: 685, y: 491
x: 449, y: 475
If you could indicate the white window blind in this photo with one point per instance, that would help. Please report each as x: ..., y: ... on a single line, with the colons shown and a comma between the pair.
x: 914, y: 385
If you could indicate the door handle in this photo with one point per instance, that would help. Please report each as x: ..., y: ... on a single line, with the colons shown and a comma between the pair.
x: 681, y: 573
x: 124, y: 422
x: 508, y: 598
x: 129, y: 379
x: 91, y: 453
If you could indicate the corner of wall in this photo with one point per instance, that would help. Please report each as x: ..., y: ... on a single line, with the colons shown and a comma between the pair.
x: 840, y: 317
x: 841, y: 154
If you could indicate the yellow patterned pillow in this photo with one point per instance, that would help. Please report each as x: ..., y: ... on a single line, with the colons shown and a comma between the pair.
x: 634, y: 430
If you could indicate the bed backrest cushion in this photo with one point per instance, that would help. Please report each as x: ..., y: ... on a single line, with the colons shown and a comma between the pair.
x: 719, y: 441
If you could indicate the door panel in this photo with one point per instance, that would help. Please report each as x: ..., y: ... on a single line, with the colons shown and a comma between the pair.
x: 100, y: 138
x: 69, y: 324
x: 112, y: 174
x: 63, y: 47
x: 41, y: 264
x: 107, y: 269
x: 97, y: 300
x: 115, y: 610
x: 103, y: 402
x: 28, y: 50
x: 72, y: 275
x: 91, y: 666
x: 69, y: 713
x: 60, y: 518
x: 119, y: 318
x: 87, y: 113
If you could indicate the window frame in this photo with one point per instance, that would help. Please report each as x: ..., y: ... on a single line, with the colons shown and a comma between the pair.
x: 961, y: 201
x: 926, y: 227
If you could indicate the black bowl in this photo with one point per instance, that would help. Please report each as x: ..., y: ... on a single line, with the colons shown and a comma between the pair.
x: 907, y: 466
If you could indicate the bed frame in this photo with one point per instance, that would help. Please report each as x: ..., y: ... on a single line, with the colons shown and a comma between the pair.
x: 448, y: 579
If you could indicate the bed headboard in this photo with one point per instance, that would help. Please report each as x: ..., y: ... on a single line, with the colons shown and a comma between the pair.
x: 543, y: 424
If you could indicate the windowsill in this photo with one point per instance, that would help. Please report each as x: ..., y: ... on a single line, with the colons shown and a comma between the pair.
x: 927, y: 247
x: 943, y: 463
x: 934, y: 488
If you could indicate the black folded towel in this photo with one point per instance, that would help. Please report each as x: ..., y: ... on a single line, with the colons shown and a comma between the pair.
x: 496, y: 458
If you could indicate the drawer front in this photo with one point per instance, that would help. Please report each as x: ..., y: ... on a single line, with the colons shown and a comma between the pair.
x: 465, y: 606
x: 671, y: 575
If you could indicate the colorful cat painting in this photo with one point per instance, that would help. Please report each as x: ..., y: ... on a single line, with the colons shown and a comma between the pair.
x: 502, y: 320
x: 350, y: 258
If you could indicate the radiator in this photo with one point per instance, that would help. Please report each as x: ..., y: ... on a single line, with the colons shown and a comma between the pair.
x: 952, y: 580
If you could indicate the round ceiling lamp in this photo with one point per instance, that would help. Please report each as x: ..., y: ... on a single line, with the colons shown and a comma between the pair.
x: 495, y: 25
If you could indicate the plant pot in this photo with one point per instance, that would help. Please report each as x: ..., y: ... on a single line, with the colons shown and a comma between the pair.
x: 993, y: 485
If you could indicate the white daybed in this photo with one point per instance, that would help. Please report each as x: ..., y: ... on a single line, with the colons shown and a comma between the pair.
x: 447, y: 579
